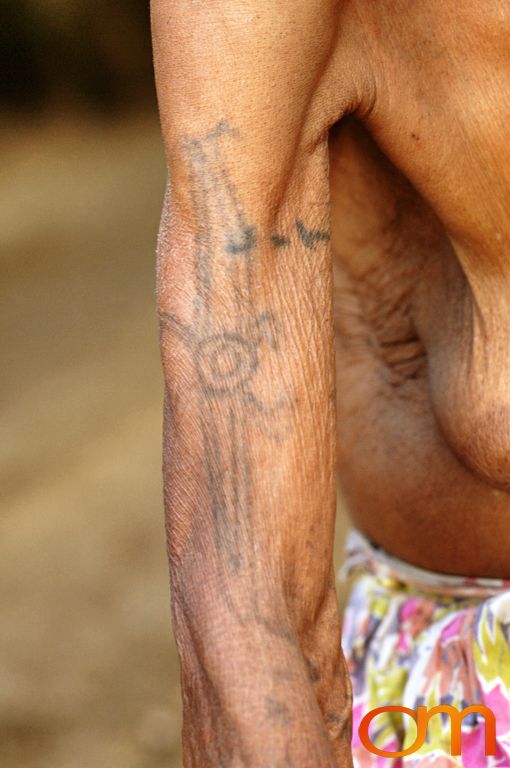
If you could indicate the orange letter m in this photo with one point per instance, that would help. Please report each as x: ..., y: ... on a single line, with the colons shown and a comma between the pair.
x: 456, y: 718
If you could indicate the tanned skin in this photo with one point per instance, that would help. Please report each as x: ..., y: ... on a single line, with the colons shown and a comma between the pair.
x: 306, y: 139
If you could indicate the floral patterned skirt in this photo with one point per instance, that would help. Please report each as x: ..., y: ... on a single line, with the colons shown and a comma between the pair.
x: 415, y: 638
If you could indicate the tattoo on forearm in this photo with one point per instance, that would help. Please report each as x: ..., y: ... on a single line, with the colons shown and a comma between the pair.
x: 277, y: 711
x: 310, y: 237
x: 227, y: 362
x: 279, y: 241
x: 312, y: 671
x: 227, y: 356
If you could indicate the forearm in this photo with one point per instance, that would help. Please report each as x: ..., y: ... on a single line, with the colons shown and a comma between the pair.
x: 248, y: 357
x: 249, y: 470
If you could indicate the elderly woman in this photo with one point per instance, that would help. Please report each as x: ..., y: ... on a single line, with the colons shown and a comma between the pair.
x: 339, y: 174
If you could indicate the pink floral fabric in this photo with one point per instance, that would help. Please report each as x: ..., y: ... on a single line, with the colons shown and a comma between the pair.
x: 415, y: 638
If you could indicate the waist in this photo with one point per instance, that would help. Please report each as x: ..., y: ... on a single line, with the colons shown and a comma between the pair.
x: 362, y: 555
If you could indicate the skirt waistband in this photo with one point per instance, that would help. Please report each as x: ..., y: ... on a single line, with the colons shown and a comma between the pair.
x: 362, y: 555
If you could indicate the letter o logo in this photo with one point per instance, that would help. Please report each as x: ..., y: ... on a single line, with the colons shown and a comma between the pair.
x: 367, y: 742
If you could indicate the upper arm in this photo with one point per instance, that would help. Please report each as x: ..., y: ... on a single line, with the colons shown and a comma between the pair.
x: 278, y: 72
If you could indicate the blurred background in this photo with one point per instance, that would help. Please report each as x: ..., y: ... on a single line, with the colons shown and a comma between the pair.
x: 88, y: 670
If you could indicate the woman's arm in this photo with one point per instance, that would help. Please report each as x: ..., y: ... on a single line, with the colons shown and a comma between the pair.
x: 244, y: 297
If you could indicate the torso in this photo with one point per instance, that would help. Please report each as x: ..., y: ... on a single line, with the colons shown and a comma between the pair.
x: 423, y: 369
x: 420, y: 193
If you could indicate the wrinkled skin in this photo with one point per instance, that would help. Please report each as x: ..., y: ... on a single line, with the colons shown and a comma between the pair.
x: 410, y: 104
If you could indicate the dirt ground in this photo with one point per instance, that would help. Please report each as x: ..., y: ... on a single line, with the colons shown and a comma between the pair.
x: 88, y: 671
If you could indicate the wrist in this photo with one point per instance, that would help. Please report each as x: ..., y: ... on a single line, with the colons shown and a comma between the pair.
x: 247, y: 684
x: 252, y: 703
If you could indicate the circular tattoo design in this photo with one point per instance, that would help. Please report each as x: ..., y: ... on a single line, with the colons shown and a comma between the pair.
x: 225, y: 362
